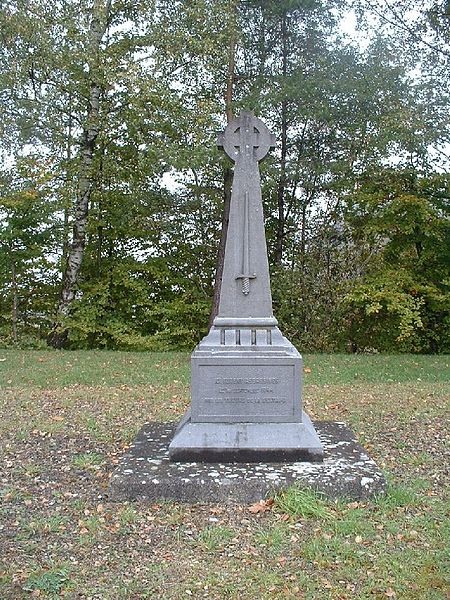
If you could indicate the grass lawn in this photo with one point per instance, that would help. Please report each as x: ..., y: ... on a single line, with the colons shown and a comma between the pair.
x: 68, y: 416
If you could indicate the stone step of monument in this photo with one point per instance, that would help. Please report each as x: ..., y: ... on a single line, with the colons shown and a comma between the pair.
x: 146, y: 472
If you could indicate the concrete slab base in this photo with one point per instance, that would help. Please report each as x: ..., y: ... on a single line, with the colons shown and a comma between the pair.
x: 146, y: 472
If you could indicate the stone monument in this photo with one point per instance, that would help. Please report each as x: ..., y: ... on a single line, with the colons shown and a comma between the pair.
x: 246, y: 413
x: 246, y: 376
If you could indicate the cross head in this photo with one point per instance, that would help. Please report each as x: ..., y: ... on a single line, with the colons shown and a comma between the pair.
x: 246, y: 139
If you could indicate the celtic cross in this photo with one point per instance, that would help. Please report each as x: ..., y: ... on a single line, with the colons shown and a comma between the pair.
x: 246, y: 140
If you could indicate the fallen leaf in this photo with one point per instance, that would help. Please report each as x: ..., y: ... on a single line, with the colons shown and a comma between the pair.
x: 306, y: 370
x: 259, y: 507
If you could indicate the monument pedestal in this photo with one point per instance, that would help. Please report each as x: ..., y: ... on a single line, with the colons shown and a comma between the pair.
x: 246, y: 401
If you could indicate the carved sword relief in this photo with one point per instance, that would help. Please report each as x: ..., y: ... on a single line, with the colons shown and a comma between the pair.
x: 245, y: 275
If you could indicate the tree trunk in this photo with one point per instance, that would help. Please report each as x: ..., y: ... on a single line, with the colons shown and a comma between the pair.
x: 227, y: 185
x: 86, y: 181
x: 227, y: 182
x: 105, y: 185
x: 65, y: 248
x: 281, y: 189
x: 303, y: 235
x: 15, y: 302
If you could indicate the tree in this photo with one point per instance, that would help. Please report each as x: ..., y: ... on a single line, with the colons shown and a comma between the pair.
x: 227, y: 172
x: 100, y: 21
x: 402, y: 302
x: 330, y: 105
x: 125, y: 127
x: 26, y: 227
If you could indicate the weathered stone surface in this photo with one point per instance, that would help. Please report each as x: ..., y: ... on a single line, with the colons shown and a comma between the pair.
x: 245, y: 290
x: 146, y: 472
x: 233, y: 387
x: 246, y: 442
x: 246, y: 376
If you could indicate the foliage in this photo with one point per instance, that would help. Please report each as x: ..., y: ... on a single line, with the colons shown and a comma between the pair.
x: 359, y: 250
x: 306, y: 304
x: 403, y: 301
x: 27, y: 239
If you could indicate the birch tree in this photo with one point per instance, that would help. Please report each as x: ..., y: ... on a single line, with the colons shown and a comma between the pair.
x: 100, y: 20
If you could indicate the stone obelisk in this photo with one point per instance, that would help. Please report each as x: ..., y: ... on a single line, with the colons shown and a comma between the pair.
x: 246, y: 376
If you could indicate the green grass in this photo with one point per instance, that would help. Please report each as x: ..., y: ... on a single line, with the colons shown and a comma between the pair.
x: 50, y: 369
x: 302, y: 503
x: 88, y: 461
x: 381, y: 538
x: 335, y: 369
x: 50, y: 582
x: 213, y: 537
x: 67, y: 417
x: 274, y: 539
x: 45, y: 525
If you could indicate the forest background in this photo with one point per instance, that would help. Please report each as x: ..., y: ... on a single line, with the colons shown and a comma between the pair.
x: 113, y: 196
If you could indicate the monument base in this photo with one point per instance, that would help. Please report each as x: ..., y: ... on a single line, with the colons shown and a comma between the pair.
x: 146, y: 473
x: 245, y: 442
x: 246, y: 400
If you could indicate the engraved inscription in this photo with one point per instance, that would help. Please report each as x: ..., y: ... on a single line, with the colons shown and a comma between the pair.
x: 237, y: 380
x: 252, y: 392
x: 230, y: 381
x: 252, y: 395
x: 231, y: 390
x: 243, y: 400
